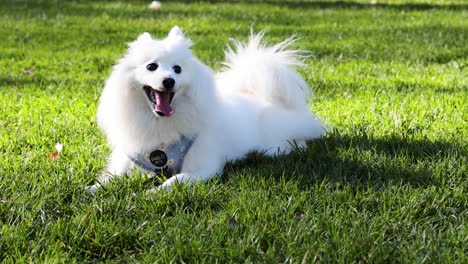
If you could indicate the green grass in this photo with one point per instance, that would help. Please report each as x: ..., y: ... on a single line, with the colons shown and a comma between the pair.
x: 388, y: 184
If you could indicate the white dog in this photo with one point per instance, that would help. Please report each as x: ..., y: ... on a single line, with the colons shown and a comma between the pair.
x: 164, y: 110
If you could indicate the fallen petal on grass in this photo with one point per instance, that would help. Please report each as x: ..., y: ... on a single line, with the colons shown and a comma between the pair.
x: 155, y: 5
x: 56, y: 154
x: 59, y: 147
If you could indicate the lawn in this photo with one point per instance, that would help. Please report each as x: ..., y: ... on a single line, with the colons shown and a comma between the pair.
x: 387, y: 184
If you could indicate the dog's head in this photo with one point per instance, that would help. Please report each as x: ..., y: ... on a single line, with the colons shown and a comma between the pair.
x: 161, y: 70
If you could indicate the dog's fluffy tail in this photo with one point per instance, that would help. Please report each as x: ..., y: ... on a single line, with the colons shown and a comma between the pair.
x: 266, y: 71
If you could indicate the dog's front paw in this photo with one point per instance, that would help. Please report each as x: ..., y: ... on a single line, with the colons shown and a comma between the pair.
x: 92, y: 188
x: 167, y: 185
x: 178, y: 178
x: 154, y: 190
x: 184, y: 178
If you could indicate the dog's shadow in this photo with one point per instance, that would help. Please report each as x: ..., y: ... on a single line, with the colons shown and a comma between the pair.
x: 355, y: 161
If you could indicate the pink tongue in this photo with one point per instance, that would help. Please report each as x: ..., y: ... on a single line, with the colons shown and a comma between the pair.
x: 163, y: 103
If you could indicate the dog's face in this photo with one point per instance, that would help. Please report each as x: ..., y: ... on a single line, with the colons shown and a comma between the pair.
x: 160, y: 69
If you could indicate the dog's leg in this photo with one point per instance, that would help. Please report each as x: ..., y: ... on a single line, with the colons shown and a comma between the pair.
x: 285, y: 147
x: 282, y: 130
x: 119, y: 164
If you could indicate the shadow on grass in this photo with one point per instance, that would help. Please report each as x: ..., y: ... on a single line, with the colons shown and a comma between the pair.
x: 356, y: 5
x: 140, y: 10
x: 341, y: 4
x: 356, y: 161
x: 426, y: 42
x: 286, y: 3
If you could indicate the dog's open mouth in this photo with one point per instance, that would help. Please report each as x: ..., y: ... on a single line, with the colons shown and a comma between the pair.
x: 161, y: 101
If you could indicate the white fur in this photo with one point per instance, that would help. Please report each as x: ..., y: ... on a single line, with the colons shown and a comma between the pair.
x: 258, y: 103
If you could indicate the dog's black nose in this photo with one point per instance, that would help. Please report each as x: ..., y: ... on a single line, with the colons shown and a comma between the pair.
x: 168, y: 83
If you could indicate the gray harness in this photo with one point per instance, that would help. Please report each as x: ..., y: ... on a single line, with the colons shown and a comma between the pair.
x: 166, y: 159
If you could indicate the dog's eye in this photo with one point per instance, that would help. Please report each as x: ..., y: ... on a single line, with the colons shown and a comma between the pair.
x: 177, y: 69
x: 152, y: 67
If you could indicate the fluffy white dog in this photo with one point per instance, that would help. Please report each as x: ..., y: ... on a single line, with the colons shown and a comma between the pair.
x: 164, y: 110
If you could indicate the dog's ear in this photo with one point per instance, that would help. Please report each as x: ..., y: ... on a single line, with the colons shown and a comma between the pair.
x: 176, y: 36
x: 176, y: 32
x: 141, y: 40
x: 144, y: 37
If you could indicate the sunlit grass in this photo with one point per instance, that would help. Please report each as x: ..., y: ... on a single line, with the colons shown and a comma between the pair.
x: 388, y: 184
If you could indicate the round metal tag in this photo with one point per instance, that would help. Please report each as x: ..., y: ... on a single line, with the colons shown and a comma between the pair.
x: 158, y: 158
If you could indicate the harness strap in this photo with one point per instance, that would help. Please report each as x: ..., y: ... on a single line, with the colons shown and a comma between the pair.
x: 166, y: 158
